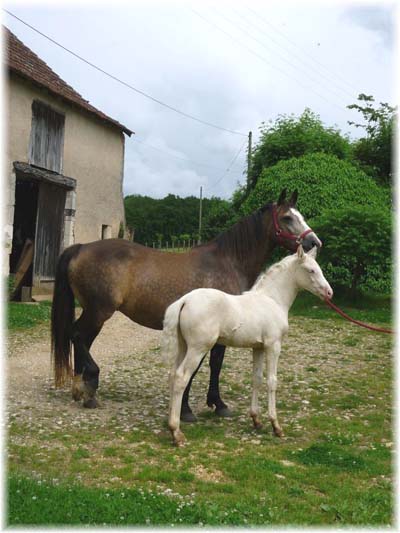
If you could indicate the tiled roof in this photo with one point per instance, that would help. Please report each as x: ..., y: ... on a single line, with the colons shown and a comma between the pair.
x: 20, y: 59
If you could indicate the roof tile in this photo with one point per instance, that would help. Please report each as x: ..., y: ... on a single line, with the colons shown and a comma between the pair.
x: 20, y: 59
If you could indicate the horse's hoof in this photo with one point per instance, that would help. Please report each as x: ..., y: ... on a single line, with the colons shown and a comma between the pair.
x: 77, y: 395
x: 188, y: 417
x: 91, y: 403
x: 224, y: 412
x: 278, y: 433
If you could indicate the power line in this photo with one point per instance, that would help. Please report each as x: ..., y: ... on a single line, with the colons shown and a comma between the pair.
x: 183, y: 113
x: 305, y: 52
x: 176, y: 156
x: 266, y: 61
x: 317, y: 72
x: 228, y: 167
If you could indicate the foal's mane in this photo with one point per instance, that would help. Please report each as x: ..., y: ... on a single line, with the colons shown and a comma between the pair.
x: 283, y: 264
x: 243, y: 237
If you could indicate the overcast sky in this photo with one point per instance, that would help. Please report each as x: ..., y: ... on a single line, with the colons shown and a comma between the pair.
x: 233, y: 64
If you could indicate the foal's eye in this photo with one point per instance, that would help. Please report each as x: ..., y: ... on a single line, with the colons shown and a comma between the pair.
x: 312, y: 271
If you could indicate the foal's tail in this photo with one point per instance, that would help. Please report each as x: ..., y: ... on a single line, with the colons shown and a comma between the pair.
x: 172, y: 342
x: 62, y: 317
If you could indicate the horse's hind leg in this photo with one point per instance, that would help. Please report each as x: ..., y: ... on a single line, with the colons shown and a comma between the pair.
x: 213, y: 396
x: 86, y: 371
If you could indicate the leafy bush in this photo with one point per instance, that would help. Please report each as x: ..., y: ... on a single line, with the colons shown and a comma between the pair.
x: 323, y: 181
x: 356, y: 252
x: 291, y: 136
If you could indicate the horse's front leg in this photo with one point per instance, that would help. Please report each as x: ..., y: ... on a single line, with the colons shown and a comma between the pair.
x: 258, y: 363
x: 213, y: 396
x: 272, y: 353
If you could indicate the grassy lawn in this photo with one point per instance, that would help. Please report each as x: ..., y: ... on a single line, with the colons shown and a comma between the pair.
x: 23, y: 315
x: 114, y: 467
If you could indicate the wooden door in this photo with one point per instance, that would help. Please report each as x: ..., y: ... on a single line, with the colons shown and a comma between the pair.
x: 49, y: 231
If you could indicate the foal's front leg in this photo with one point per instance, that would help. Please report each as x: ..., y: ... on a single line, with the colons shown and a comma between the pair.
x: 258, y: 363
x: 272, y: 353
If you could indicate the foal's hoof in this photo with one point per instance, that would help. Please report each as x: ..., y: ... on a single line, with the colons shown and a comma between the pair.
x: 278, y: 432
x: 224, y: 412
x: 179, y: 438
x: 188, y: 417
x: 91, y: 403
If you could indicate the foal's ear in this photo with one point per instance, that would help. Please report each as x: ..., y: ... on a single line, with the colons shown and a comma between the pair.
x: 313, y: 252
x: 300, y: 252
x: 282, y: 197
x: 293, y: 198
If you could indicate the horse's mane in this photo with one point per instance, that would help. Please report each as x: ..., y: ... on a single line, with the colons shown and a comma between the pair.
x: 283, y: 264
x: 243, y: 237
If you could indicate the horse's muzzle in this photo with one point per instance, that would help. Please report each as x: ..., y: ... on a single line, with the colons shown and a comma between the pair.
x: 310, y: 241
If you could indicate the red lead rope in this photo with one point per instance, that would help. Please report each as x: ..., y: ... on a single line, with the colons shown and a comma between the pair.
x: 343, y: 314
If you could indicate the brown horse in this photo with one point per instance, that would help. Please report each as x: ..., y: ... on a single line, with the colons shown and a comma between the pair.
x: 115, y: 274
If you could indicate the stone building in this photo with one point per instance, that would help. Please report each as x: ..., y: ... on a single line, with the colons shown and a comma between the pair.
x: 63, y: 167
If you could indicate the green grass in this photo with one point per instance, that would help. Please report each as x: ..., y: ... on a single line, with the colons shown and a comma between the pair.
x: 25, y: 316
x: 333, y: 468
x: 374, y: 309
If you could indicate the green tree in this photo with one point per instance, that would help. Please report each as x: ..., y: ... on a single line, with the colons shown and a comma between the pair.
x: 290, y: 136
x: 356, y: 248
x: 171, y: 216
x: 219, y: 215
x: 323, y: 181
x: 374, y: 152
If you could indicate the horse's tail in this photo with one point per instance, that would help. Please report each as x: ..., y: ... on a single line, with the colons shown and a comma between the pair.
x: 172, y: 342
x: 62, y: 317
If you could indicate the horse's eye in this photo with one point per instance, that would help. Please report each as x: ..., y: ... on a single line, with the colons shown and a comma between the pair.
x: 312, y: 271
x: 287, y: 218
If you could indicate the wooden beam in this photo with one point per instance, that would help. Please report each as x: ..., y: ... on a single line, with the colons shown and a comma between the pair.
x: 34, y: 173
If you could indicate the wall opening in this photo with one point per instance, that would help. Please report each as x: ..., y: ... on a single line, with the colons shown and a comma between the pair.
x: 25, y: 215
x: 105, y: 232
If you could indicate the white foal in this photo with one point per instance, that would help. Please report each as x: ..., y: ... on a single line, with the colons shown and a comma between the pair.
x: 256, y: 319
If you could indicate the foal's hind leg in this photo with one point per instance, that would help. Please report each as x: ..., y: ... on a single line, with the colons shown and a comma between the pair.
x: 186, y: 412
x: 86, y: 371
x: 179, y: 381
x: 213, y: 396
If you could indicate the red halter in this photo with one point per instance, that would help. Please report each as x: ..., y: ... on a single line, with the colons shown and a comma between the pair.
x: 281, y: 234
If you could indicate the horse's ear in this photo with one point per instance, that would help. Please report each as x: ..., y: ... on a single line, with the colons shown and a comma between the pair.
x: 293, y: 198
x: 282, y: 197
x: 300, y: 252
x: 313, y: 252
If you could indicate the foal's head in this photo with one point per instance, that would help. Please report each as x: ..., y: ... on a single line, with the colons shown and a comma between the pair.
x: 309, y: 276
x: 291, y: 221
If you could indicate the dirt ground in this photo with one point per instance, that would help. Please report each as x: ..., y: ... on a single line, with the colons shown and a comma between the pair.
x: 133, y: 379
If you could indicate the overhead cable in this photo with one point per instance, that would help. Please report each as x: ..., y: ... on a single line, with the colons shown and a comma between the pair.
x: 124, y: 83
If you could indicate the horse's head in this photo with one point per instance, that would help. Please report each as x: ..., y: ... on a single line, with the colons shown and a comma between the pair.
x: 290, y: 227
x: 309, y: 275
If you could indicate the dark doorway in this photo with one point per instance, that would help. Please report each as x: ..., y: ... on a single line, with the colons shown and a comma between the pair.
x: 25, y: 214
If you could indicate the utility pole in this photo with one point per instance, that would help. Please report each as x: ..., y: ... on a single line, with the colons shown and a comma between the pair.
x: 249, y: 160
x: 200, y: 213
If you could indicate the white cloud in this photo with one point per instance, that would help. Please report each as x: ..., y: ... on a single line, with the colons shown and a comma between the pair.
x: 167, y: 51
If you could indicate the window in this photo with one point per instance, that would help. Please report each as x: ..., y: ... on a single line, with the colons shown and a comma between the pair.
x: 47, y: 137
